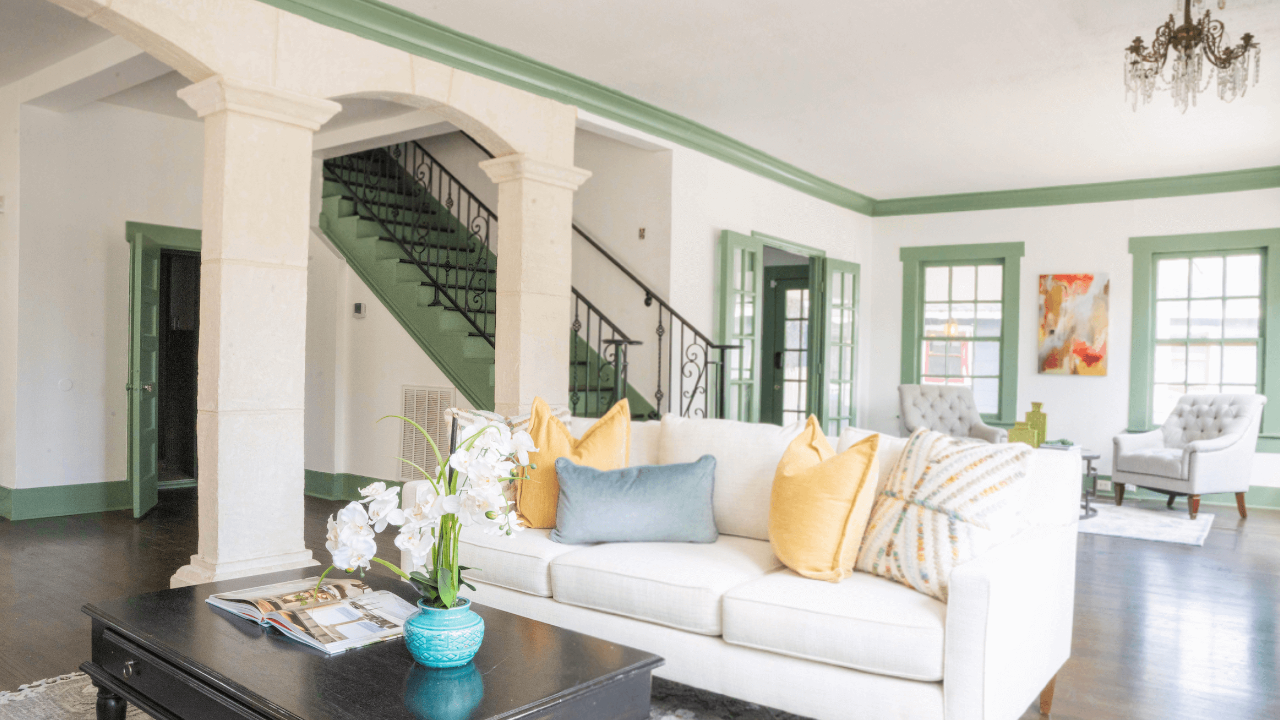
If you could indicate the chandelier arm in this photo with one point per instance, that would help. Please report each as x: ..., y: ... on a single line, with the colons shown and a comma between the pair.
x: 1213, y: 33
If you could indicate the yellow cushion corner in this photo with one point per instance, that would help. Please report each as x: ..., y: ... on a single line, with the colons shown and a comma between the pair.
x: 606, y: 445
x: 821, y: 503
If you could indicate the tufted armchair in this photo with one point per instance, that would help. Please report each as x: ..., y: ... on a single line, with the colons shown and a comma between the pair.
x: 1206, y: 446
x: 948, y: 409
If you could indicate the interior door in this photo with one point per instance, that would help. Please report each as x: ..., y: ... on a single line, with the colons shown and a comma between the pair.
x: 742, y: 322
x: 836, y: 376
x: 144, y: 356
x: 786, y: 368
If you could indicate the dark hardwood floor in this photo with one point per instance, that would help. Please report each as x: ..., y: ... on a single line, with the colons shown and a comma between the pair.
x: 1162, y: 631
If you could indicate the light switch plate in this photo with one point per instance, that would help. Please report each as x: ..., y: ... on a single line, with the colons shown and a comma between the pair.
x: 1104, y: 486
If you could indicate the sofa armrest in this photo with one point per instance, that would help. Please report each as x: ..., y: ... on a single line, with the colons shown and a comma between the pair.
x: 1009, y: 618
x: 990, y: 434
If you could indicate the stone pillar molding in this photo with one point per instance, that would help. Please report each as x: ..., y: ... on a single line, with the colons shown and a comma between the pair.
x: 253, y: 311
x: 535, y: 261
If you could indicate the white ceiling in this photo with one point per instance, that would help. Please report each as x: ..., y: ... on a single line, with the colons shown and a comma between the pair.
x: 892, y: 99
x: 904, y: 97
x: 36, y: 33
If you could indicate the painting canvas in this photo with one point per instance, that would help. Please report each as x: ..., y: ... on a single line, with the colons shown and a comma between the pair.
x: 1073, y: 324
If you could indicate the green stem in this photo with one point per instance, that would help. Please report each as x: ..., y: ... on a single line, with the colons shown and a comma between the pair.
x: 322, y: 577
x: 391, y: 567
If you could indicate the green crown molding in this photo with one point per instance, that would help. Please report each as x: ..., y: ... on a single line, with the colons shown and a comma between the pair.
x: 1205, y: 184
x: 403, y: 30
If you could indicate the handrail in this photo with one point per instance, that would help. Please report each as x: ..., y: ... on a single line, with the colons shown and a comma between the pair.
x: 622, y: 336
x: 454, y: 178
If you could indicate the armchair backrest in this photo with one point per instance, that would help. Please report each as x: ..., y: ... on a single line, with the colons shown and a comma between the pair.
x: 947, y: 409
x: 1205, y: 417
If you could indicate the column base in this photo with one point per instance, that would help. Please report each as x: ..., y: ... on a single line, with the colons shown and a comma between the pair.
x: 202, y: 571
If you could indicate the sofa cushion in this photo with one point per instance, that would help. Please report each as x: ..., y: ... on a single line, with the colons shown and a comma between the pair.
x: 1164, y: 462
x: 862, y: 622
x: 747, y: 456
x: 675, y: 584
x: 520, y: 561
x: 644, y: 438
x: 886, y: 455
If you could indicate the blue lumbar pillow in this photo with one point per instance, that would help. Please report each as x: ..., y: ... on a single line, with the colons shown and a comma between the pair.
x: 646, y: 503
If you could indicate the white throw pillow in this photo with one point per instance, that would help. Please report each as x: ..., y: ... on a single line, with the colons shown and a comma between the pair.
x: 948, y: 500
x: 747, y: 456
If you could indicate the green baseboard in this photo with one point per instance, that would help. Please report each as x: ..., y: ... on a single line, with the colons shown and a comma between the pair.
x: 43, y: 502
x: 340, y: 486
x: 1257, y: 496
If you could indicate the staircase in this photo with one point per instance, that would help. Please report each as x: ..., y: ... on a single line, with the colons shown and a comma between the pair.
x: 421, y: 242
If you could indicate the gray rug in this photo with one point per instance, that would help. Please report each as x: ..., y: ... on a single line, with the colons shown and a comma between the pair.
x: 1172, y: 526
x: 72, y: 697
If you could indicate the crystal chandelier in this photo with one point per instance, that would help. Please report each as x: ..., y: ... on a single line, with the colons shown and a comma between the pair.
x: 1192, y: 44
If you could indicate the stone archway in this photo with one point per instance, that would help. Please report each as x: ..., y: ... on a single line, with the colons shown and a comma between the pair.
x: 263, y: 78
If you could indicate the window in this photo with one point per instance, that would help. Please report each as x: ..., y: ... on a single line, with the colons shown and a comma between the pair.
x: 961, y: 330
x: 960, y: 319
x: 1208, y: 335
x: 1200, y: 322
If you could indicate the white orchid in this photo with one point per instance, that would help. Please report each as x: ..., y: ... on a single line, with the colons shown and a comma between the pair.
x: 417, y: 541
x: 355, y: 551
x: 522, y: 445
x: 384, y: 506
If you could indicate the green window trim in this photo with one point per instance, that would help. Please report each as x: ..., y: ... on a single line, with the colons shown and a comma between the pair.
x: 915, y: 260
x: 1146, y: 251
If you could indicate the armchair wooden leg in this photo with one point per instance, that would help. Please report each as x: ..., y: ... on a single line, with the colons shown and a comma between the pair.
x: 1119, y: 492
x: 1170, y: 503
x: 1046, y: 696
x: 1193, y: 503
x: 1240, y: 506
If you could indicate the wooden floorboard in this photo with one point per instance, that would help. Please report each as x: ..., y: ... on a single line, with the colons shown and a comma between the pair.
x: 1162, y: 631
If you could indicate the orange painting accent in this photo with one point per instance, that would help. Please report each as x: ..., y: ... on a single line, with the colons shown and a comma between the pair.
x: 1073, y: 324
x: 1087, y: 354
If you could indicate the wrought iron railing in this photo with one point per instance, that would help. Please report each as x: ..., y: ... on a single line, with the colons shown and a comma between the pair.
x: 598, y: 360
x: 439, y: 225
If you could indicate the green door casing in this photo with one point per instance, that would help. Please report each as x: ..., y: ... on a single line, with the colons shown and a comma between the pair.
x: 742, y: 322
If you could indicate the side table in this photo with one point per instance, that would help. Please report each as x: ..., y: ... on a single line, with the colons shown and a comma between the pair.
x: 1090, y: 474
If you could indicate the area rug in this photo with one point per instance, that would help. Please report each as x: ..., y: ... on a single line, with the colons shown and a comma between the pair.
x: 1173, y: 526
x: 73, y: 697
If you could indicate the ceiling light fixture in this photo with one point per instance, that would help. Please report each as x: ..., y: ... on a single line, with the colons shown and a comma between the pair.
x: 1192, y: 44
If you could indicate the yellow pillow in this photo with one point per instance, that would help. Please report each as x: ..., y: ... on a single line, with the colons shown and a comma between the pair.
x: 821, y: 503
x: 605, y: 446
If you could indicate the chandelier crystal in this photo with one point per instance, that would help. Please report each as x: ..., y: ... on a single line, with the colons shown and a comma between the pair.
x: 1191, y: 45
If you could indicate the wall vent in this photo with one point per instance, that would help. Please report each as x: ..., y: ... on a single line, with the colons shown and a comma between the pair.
x: 425, y: 406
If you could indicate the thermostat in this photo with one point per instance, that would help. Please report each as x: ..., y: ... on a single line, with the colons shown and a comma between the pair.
x: 358, y: 311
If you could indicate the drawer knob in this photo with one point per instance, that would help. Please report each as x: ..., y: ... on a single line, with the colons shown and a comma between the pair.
x: 130, y: 669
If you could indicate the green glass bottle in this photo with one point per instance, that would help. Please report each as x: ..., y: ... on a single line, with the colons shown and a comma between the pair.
x: 1038, y: 422
x: 1021, y: 432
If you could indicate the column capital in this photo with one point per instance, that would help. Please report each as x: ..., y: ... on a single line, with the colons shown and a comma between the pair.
x: 225, y: 94
x: 522, y: 167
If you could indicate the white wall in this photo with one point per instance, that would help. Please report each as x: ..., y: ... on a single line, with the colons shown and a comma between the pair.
x: 83, y: 175
x: 1067, y: 239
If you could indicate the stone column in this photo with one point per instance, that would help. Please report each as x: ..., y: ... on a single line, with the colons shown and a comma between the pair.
x: 253, y: 312
x: 535, y: 260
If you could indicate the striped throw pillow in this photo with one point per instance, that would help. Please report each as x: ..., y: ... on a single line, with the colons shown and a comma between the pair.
x: 946, y: 502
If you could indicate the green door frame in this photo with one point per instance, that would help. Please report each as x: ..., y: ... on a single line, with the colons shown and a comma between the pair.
x: 145, y: 239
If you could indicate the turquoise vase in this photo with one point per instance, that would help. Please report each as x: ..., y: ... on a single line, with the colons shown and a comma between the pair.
x: 444, y: 638
x: 445, y: 693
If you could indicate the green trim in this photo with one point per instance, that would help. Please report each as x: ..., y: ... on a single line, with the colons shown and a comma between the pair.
x: 1146, y: 250
x: 1257, y: 496
x: 915, y: 260
x: 175, y: 484
x: 167, y: 237
x: 416, y: 35
x: 1145, y: 189
x: 796, y: 248
x: 340, y: 486
x: 60, y: 500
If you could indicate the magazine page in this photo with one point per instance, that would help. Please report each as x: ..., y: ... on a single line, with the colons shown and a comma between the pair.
x: 337, y: 626
x: 257, y: 602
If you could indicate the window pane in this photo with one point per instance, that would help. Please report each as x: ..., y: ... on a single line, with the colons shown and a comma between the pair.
x: 1163, y: 400
x: 963, y: 282
x: 989, y: 320
x: 934, y: 360
x: 935, y: 319
x: 1239, y: 389
x: 1206, y: 277
x: 986, y: 393
x: 986, y: 358
x: 1171, y: 363
x: 1171, y: 278
x: 1171, y: 320
x: 936, y: 284
x: 1204, y: 389
x: 1244, y: 274
x: 1242, y: 319
x: 933, y: 381
x: 963, y: 314
x: 1206, y: 319
x: 1240, y: 364
x: 958, y: 358
x: 990, y: 282
x: 1204, y: 364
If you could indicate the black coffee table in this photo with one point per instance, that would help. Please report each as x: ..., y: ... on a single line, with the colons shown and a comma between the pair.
x: 174, y: 656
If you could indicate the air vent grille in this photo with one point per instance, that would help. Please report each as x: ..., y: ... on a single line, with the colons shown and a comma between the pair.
x: 425, y: 406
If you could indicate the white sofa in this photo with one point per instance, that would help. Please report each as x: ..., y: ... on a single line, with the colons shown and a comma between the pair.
x: 728, y: 617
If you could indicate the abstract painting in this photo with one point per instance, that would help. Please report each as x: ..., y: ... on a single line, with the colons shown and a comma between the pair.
x: 1073, y: 324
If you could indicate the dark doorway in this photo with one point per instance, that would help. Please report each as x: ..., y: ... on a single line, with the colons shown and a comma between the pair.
x: 176, y: 391
x: 785, y: 343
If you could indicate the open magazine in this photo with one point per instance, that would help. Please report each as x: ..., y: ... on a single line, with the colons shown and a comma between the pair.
x: 339, y: 615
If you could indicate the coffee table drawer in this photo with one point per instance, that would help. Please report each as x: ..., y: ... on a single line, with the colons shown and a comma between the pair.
x: 150, y: 676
